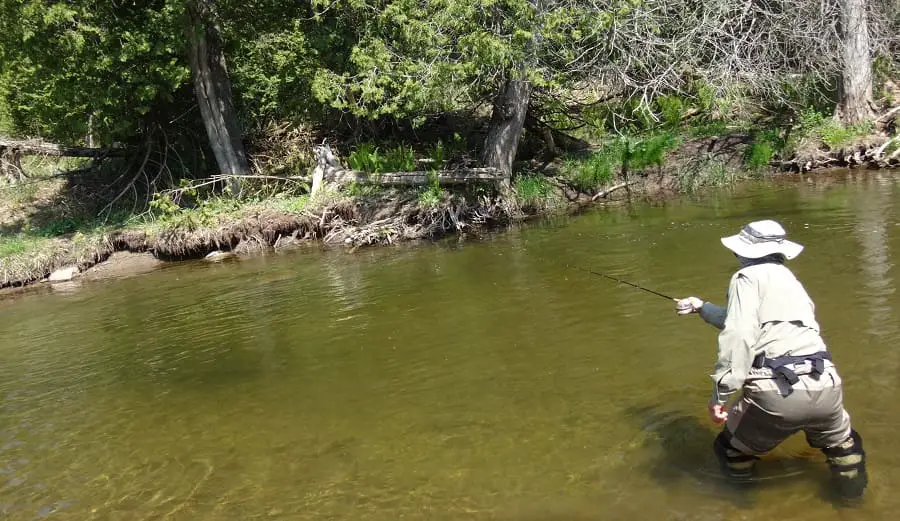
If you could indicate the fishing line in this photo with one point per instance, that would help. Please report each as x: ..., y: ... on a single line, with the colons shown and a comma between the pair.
x: 592, y: 272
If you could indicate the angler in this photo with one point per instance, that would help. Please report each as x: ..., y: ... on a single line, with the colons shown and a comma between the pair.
x: 770, y: 349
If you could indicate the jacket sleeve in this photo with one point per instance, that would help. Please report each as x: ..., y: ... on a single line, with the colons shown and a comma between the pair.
x: 713, y: 315
x: 737, y: 338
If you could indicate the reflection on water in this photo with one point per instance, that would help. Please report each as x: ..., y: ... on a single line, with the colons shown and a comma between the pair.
x: 455, y: 381
x: 874, y: 213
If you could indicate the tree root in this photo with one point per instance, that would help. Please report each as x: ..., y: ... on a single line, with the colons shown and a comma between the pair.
x: 884, y: 154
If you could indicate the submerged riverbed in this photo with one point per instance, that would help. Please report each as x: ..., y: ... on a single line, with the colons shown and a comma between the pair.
x: 474, y: 380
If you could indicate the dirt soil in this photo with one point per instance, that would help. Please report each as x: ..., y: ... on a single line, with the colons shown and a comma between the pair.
x: 122, y: 264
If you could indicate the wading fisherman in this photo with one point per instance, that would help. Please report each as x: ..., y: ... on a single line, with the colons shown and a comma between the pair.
x: 771, y: 350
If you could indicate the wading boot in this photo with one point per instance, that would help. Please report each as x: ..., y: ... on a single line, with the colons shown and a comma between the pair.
x: 737, y: 466
x: 848, y: 468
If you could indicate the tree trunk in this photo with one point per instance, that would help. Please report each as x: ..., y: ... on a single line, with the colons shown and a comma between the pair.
x: 854, y: 105
x: 89, y: 139
x: 212, y: 87
x: 507, y: 120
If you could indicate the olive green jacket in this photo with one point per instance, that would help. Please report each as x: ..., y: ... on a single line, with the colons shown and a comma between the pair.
x: 767, y: 311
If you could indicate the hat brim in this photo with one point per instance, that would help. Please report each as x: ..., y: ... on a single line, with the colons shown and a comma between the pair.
x: 749, y: 250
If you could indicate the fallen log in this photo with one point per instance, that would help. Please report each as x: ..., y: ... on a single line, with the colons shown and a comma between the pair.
x: 443, y: 177
x: 883, y: 120
x: 52, y: 149
x: 11, y: 152
x: 329, y: 170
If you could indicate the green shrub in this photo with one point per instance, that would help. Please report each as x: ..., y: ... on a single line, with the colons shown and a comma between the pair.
x: 432, y: 195
x: 710, y: 129
x: 13, y: 245
x: 596, y: 170
x: 651, y: 151
x: 288, y: 203
x: 672, y: 110
x: 59, y: 227
x: 438, y: 155
x: 764, y: 147
x: 836, y: 135
x: 759, y: 154
x: 399, y: 159
x: 706, y: 98
x: 604, y: 165
x: 532, y: 190
x: 365, y: 158
x: 813, y: 125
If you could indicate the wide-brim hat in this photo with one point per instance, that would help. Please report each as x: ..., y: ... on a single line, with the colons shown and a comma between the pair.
x: 761, y: 238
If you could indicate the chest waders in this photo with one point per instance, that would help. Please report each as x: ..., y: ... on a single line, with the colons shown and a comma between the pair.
x: 846, y: 460
x: 736, y: 465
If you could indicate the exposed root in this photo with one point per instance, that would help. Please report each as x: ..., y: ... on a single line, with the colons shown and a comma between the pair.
x: 411, y: 221
x: 134, y: 241
x: 388, y: 219
x: 875, y: 152
x: 880, y: 150
x: 343, y: 221
x: 179, y: 243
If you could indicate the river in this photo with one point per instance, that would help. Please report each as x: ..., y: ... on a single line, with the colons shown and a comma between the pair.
x: 468, y: 380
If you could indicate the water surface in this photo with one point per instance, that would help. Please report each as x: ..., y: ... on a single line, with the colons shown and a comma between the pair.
x: 463, y: 380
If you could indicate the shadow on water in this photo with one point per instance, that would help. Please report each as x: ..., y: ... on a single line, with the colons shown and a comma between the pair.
x: 685, y: 455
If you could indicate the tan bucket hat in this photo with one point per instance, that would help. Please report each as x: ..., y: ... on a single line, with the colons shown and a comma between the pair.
x: 761, y: 238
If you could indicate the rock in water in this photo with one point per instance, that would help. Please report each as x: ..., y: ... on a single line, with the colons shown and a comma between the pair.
x: 219, y: 255
x: 63, y: 274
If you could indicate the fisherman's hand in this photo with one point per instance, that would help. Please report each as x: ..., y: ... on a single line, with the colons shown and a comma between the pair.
x: 718, y: 412
x: 688, y: 305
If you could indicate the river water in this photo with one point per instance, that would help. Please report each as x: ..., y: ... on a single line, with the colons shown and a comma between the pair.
x: 462, y: 380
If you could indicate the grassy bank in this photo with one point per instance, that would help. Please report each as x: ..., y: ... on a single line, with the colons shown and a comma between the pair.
x: 185, y: 225
x: 47, y: 223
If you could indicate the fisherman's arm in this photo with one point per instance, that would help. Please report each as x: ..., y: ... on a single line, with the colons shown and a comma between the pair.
x: 739, y: 334
x: 712, y: 314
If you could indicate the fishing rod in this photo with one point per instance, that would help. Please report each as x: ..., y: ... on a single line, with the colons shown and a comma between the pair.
x: 592, y: 272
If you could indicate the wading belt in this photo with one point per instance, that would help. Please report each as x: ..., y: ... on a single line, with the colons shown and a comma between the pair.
x: 780, y: 365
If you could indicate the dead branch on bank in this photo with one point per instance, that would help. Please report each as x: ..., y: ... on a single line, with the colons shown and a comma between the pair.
x: 42, y: 148
x: 222, y: 180
x: 12, y: 151
x: 605, y: 193
x: 887, y: 116
x: 11, y: 169
x: 131, y: 185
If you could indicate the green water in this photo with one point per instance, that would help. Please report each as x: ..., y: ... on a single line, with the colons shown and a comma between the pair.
x: 470, y: 381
